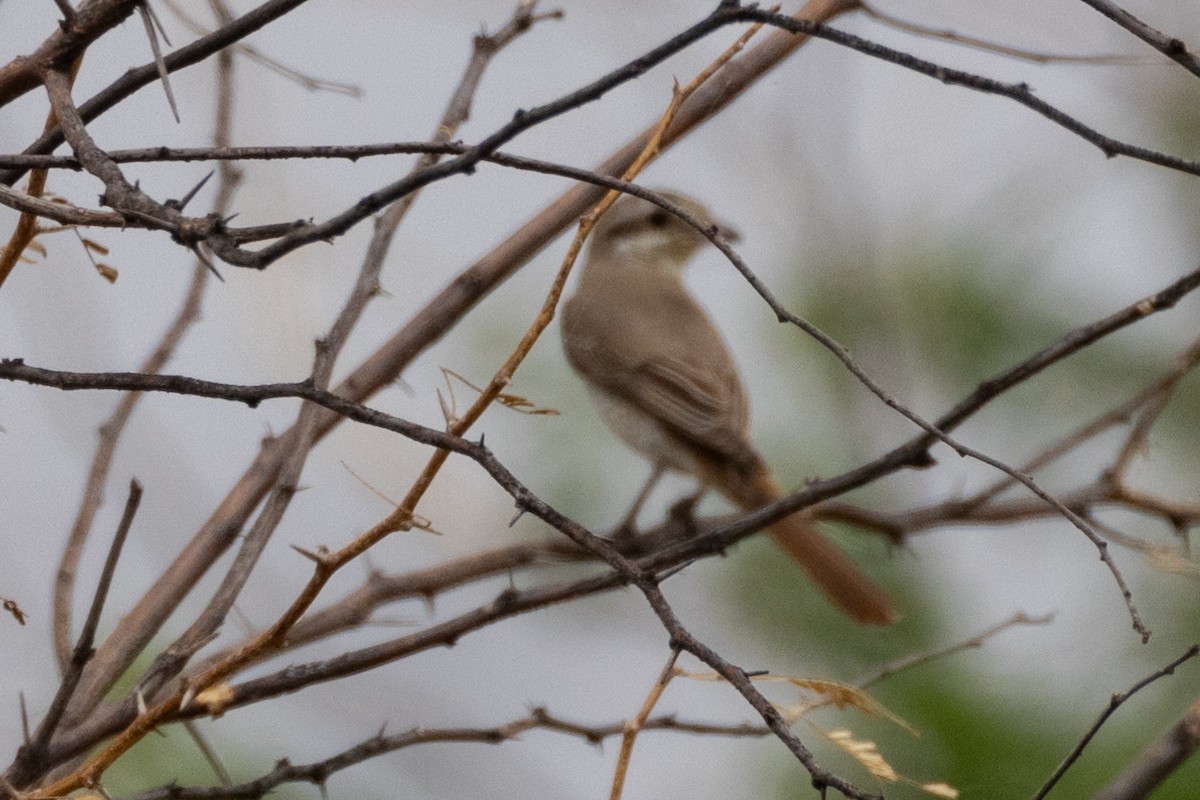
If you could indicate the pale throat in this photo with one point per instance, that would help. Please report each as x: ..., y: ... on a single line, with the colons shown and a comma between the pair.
x: 651, y: 247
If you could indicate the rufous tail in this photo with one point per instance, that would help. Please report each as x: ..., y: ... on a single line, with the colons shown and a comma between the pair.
x: 830, y: 569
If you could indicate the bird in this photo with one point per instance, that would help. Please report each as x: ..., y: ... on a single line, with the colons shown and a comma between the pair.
x: 659, y: 373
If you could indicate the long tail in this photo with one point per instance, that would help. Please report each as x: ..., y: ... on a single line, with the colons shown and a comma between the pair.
x: 830, y: 569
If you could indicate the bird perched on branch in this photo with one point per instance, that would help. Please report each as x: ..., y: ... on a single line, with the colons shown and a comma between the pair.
x: 663, y: 380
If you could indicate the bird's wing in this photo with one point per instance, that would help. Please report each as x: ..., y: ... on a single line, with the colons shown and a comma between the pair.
x: 704, y: 407
x: 688, y: 383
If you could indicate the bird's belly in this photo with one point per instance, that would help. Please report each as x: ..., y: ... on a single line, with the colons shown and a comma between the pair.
x: 640, y: 431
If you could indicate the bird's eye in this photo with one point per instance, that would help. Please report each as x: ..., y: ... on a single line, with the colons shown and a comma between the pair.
x: 659, y: 219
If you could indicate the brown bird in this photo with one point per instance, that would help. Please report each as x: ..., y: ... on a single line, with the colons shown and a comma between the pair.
x: 663, y: 380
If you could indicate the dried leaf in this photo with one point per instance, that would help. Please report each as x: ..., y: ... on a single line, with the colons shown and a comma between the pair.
x: 1168, y: 559
x: 939, y: 790
x: 11, y: 607
x: 215, y: 699
x: 108, y: 273
x: 521, y: 404
x: 840, y: 695
x: 844, y: 696
x: 513, y: 401
x: 37, y: 247
x: 95, y: 246
x: 864, y: 752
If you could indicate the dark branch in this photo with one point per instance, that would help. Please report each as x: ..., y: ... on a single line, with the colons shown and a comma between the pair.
x: 1113, y: 704
x: 1158, y: 761
x: 539, y: 719
x: 1172, y: 48
x: 30, y: 757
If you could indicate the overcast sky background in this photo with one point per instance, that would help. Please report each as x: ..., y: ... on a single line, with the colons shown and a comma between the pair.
x: 831, y: 151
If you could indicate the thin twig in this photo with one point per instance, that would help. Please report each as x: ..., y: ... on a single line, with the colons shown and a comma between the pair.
x: 134, y: 203
x: 206, y: 750
x: 1113, y: 704
x: 632, y: 729
x: 32, y: 753
x: 1169, y: 46
x: 254, y: 54
x: 327, y: 350
x: 1147, y: 772
x: 1081, y: 524
x: 937, y: 432
x: 26, y: 228
x: 380, y: 744
x: 65, y: 45
x: 917, y: 659
x: 228, y: 180
x: 1164, y: 390
x: 975, y: 43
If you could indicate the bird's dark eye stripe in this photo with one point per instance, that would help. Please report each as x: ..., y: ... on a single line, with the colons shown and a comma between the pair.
x: 658, y: 219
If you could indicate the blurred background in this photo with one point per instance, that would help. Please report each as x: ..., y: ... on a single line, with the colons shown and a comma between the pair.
x: 941, y: 234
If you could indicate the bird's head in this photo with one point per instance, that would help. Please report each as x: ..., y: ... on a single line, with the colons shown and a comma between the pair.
x: 638, y: 231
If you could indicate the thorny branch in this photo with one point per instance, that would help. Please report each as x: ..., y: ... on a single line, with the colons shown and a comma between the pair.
x: 328, y: 348
x: 88, y: 23
x: 319, y: 772
x: 136, y: 208
x: 327, y: 564
x: 539, y: 718
x: 444, y: 311
x: 663, y: 559
x: 643, y: 568
x: 228, y: 179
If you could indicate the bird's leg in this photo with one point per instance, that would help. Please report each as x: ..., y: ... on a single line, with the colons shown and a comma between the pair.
x: 628, y: 525
x: 683, y: 511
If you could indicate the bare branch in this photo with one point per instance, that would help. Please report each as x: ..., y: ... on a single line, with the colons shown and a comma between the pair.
x: 1158, y: 761
x: 1019, y: 92
x: 1172, y: 48
x: 85, y: 24
x: 96, y: 17
x: 134, y: 204
x: 429, y: 324
x: 380, y: 744
x: 975, y: 43
x: 111, y: 430
x: 30, y: 756
x: 254, y: 54
x: 632, y: 729
x: 1114, y: 703
x: 328, y: 348
x: 26, y: 230
x: 975, y: 642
